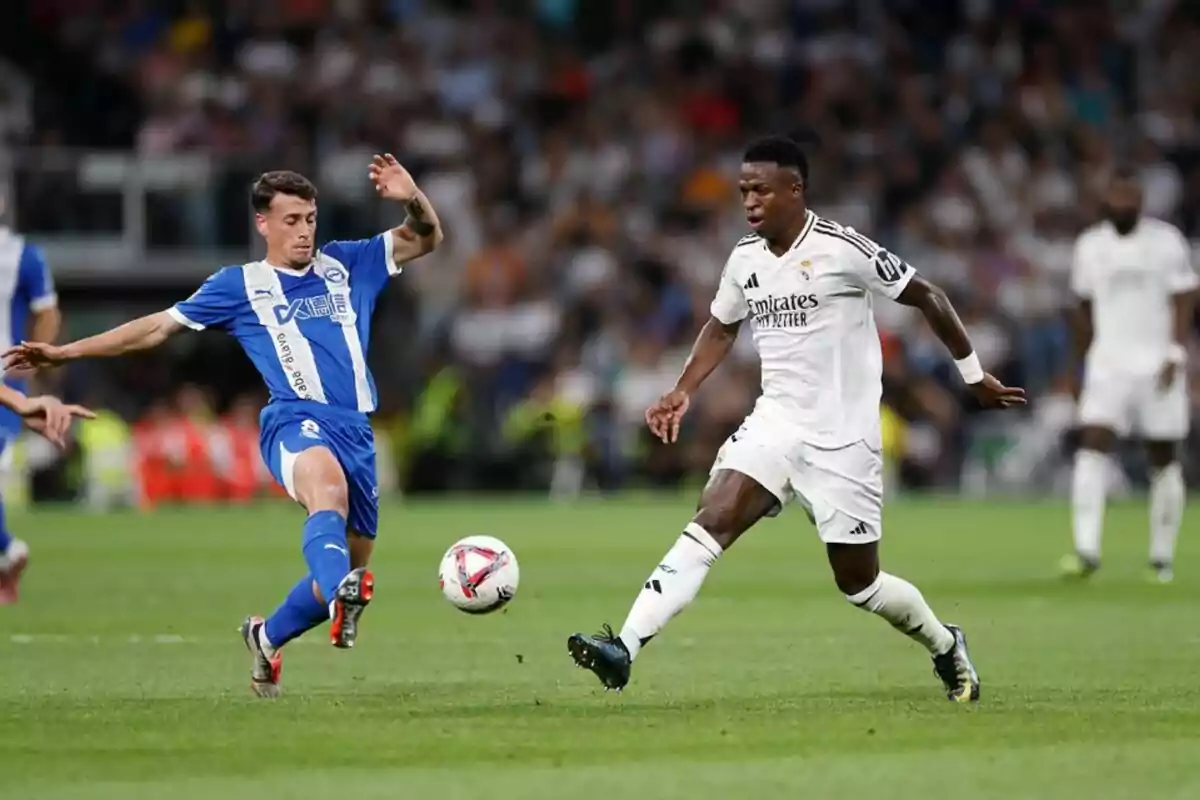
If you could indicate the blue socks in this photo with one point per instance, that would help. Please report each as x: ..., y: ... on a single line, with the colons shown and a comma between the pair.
x: 328, y: 558
x: 301, y: 611
x: 326, y: 551
x: 5, y: 539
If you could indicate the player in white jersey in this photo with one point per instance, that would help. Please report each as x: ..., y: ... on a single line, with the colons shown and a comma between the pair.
x: 1135, y: 282
x: 807, y: 284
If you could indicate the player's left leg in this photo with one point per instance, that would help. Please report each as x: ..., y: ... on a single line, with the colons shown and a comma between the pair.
x: 1162, y: 419
x: 14, y: 553
x: 1168, y: 494
x: 844, y: 491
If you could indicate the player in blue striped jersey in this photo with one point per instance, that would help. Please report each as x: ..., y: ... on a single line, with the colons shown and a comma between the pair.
x: 303, y: 317
x: 28, y: 308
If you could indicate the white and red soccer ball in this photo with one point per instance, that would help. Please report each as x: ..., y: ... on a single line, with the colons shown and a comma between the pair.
x: 479, y: 574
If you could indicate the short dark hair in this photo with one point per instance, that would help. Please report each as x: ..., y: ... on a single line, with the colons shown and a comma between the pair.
x: 786, y: 151
x: 280, y: 181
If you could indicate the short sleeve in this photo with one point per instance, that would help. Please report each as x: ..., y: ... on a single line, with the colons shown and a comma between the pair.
x: 1081, y: 282
x: 1181, y: 273
x: 34, y: 281
x: 729, y: 305
x: 368, y: 259
x: 215, y: 304
x: 875, y: 268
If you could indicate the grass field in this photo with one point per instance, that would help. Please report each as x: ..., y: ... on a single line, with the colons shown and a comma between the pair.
x: 122, y: 676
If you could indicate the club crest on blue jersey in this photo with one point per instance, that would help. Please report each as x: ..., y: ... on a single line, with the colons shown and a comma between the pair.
x: 334, y: 275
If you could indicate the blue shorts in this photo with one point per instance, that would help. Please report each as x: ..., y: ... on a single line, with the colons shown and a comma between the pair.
x: 291, y: 427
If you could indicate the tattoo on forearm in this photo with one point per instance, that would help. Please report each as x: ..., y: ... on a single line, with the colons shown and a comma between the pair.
x: 417, y: 221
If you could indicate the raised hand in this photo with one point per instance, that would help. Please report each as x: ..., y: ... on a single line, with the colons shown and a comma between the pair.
x: 665, y: 415
x: 391, y: 180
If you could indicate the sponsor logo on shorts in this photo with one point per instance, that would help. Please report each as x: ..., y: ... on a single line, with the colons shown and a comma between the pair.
x: 310, y: 429
x: 859, y: 530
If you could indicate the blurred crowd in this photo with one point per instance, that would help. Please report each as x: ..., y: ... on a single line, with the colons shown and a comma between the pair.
x: 582, y: 156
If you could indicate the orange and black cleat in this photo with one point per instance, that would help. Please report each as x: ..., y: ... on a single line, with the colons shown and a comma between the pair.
x: 354, y: 593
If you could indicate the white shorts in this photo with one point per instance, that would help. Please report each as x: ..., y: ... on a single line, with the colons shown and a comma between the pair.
x: 841, y: 489
x: 1134, y: 405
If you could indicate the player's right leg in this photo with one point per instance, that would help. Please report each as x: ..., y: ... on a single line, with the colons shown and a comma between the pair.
x: 1089, y: 491
x: 730, y: 504
x: 319, y: 484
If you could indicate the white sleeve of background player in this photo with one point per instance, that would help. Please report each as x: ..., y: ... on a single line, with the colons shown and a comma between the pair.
x: 1081, y: 275
x: 1181, y: 271
x: 729, y: 305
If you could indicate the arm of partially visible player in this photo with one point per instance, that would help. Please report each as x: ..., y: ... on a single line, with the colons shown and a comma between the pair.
x: 46, y: 415
x: 421, y: 231
x: 1081, y: 314
x: 36, y: 287
x: 713, y: 343
x: 1182, y: 282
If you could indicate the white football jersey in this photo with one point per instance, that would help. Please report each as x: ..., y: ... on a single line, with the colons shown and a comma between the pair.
x: 1130, y: 281
x: 811, y: 315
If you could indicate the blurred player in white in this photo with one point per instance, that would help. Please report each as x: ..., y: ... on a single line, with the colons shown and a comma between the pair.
x: 1135, y: 282
x: 808, y: 286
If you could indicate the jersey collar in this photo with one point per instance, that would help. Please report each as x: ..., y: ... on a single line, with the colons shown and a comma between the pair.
x: 810, y: 219
x: 298, y: 273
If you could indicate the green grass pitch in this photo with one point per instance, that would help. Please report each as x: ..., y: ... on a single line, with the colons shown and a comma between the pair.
x: 122, y: 675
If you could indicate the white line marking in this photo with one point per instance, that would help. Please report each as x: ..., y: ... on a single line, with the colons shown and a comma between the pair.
x: 136, y: 639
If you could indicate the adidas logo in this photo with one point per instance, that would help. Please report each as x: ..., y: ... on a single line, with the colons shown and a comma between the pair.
x: 654, y: 586
x: 859, y: 530
x: 753, y: 282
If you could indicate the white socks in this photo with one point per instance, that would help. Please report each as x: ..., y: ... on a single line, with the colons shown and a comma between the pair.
x: 1089, y: 485
x: 672, y: 586
x: 1167, y: 498
x: 901, y: 604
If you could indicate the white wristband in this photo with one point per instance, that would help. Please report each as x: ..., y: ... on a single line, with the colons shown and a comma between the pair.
x: 970, y: 368
x: 1177, y: 354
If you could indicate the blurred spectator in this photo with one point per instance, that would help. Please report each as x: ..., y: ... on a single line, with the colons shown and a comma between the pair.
x: 584, y: 160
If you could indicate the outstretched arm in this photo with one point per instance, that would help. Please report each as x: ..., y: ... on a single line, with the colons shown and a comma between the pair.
x: 421, y: 231
x: 943, y: 320
x: 140, y: 334
x: 713, y: 343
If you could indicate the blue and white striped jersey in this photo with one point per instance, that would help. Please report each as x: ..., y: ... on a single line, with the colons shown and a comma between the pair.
x: 25, y: 287
x: 307, y: 332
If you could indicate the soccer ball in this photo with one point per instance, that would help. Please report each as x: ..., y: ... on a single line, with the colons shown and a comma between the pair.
x: 479, y: 574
